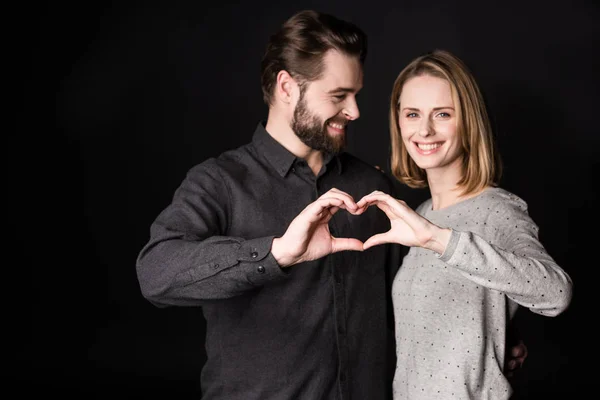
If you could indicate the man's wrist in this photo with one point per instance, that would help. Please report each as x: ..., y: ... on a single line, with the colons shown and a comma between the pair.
x: 279, y: 255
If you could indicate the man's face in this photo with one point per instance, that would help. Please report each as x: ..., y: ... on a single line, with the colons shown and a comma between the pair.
x: 328, y: 104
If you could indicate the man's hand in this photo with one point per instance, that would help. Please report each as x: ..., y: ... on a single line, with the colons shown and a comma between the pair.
x: 308, y: 238
x: 515, y: 359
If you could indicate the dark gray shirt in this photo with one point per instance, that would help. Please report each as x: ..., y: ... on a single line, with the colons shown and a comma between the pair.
x: 316, y: 330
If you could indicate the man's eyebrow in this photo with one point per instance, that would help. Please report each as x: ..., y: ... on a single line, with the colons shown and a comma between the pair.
x: 342, y: 90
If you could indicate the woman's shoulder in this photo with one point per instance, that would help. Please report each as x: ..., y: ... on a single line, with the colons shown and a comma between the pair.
x: 501, y: 198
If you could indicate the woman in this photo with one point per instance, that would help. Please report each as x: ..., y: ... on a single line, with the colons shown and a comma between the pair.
x: 475, y: 256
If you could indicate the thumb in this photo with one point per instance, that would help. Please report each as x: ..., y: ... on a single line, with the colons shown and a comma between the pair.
x: 341, y: 244
x: 375, y: 240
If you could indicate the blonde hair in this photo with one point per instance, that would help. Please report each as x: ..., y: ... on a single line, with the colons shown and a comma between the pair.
x: 482, y: 165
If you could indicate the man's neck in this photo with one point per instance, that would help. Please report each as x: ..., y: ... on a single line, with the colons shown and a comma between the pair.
x: 280, y: 130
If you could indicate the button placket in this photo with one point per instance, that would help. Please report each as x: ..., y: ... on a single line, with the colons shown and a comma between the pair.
x: 339, y: 291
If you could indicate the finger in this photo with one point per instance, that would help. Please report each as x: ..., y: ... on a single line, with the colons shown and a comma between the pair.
x: 524, y: 348
x: 340, y: 244
x: 519, y: 351
x: 382, y: 198
x: 337, y: 192
x: 361, y: 208
x: 365, y: 198
x: 512, y: 364
x: 516, y: 351
x: 376, y: 196
x: 348, y: 201
x: 381, y: 205
x: 366, y: 202
x: 377, y: 239
x: 322, y: 207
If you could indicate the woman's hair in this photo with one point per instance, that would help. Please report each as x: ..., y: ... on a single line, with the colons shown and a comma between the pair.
x: 300, y: 46
x: 481, y: 165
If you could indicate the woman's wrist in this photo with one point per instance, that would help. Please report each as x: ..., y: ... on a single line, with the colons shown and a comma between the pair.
x: 440, y: 237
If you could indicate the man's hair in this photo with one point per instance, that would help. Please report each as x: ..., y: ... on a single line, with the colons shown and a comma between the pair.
x: 301, y: 44
x: 482, y: 165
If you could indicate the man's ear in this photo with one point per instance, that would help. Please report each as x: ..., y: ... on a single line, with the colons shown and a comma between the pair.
x: 286, y: 87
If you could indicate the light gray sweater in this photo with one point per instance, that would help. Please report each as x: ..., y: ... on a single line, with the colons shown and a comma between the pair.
x: 452, y: 311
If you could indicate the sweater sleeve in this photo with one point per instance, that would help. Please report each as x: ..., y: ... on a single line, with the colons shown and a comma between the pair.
x: 189, y: 258
x: 516, y: 264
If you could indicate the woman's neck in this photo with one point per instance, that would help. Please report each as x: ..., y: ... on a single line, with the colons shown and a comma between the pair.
x: 443, y: 185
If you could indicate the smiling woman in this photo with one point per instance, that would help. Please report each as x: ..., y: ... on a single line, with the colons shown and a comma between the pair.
x: 427, y: 122
x: 436, y: 101
x: 474, y: 256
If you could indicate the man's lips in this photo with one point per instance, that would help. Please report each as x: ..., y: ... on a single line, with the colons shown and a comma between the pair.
x: 336, y: 127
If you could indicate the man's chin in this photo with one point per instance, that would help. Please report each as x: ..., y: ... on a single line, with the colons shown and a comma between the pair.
x: 336, y: 148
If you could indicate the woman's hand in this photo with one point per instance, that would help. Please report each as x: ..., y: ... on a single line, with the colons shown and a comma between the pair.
x: 408, y: 228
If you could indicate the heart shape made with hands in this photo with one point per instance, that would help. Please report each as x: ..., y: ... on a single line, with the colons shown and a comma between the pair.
x: 407, y: 227
x: 308, y: 237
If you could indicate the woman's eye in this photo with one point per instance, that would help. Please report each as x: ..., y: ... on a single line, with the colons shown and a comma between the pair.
x: 411, y: 115
x: 444, y: 114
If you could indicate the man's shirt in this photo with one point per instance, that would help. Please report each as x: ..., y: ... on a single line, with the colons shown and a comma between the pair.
x: 315, y: 330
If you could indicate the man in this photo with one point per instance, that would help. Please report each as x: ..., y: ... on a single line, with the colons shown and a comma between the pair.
x: 255, y: 237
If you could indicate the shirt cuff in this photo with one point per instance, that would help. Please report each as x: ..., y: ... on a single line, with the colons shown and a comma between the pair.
x: 451, y: 247
x: 256, y: 258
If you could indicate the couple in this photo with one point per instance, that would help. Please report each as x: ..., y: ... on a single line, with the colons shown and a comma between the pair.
x: 258, y: 237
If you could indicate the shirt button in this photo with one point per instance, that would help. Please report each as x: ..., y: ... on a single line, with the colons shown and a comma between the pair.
x: 254, y: 254
x: 260, y: 269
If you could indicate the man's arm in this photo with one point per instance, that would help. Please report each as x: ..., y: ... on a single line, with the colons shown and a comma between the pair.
x: 189, y: 258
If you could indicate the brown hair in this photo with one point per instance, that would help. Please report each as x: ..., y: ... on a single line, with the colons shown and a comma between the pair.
x: 300, y: 46
x: 482, y: 165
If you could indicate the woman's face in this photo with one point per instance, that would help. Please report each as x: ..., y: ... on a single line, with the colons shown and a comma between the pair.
x: 428, y: 123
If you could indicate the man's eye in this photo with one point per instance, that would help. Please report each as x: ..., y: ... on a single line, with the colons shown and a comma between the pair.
x: 339, y: 96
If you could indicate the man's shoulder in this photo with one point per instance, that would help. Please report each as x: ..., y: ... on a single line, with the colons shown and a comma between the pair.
x: 228, y: 160
x: 365, y: 174
x: 359, y: 165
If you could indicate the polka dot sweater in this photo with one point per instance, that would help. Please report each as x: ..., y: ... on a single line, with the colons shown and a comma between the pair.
x: 452, y: 310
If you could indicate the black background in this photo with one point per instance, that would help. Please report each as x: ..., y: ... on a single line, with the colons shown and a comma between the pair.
x: 119, y: 101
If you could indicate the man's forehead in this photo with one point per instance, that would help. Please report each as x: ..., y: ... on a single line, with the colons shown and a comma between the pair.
x: 342, y: 72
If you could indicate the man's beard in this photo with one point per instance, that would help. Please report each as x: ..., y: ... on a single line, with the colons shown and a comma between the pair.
x: 313, y: 132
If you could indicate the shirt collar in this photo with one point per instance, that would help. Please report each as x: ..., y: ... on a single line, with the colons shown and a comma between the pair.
x: 278, y: 156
